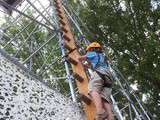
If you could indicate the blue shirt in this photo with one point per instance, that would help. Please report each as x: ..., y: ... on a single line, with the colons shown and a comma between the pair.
x: 97, y: 59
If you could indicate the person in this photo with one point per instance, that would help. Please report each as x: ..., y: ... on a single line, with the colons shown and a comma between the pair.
x: 100, y: 81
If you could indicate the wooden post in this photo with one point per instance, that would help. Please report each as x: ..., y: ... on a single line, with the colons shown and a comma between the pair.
x: 74, y: 55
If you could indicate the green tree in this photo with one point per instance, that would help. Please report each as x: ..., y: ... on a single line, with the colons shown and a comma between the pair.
x: 129, y: 28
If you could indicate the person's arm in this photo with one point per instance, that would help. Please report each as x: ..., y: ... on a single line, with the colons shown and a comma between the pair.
x: 82, y: 58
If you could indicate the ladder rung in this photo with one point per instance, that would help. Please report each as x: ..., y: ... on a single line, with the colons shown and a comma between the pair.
x: 59, y: 11
x: 61, y: 16
x: 73, y: 61
x: 71, y: 51
x: 66, y: 37
x: 85, y: 99
x: 62, y: 22
x: 58, y: 6
x: 64, y: 29
x: 78, y: 77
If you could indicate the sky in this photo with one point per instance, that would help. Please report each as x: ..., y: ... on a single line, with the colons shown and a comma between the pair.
x: 1, y: 17
x: 25, y: 5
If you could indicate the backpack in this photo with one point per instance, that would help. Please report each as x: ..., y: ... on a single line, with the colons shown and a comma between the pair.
x: 104, y: 73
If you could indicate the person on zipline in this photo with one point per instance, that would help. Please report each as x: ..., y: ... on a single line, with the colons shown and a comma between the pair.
x: 100, y: 82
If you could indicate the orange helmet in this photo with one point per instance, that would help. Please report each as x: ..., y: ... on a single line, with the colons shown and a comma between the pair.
x: 93, y: 45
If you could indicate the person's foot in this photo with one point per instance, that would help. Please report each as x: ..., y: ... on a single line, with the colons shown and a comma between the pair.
x: 101, y: 116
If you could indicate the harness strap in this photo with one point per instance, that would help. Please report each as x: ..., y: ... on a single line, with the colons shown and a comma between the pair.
x: 96, y: 66
x: 106, y: 79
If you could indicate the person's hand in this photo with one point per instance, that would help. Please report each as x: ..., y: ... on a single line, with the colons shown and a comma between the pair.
x: 82, y: 58
x: 86, y: 64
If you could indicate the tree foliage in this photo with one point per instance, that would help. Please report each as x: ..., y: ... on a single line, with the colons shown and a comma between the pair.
x: 129, y: 28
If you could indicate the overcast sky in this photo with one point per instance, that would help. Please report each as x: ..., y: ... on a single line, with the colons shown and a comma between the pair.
x: 45, y: 3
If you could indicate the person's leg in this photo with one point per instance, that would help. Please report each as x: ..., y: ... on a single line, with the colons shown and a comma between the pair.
x: 95, y: 88
x: 101, y: 114
x: 97, y: 101
x: 108, y: 109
